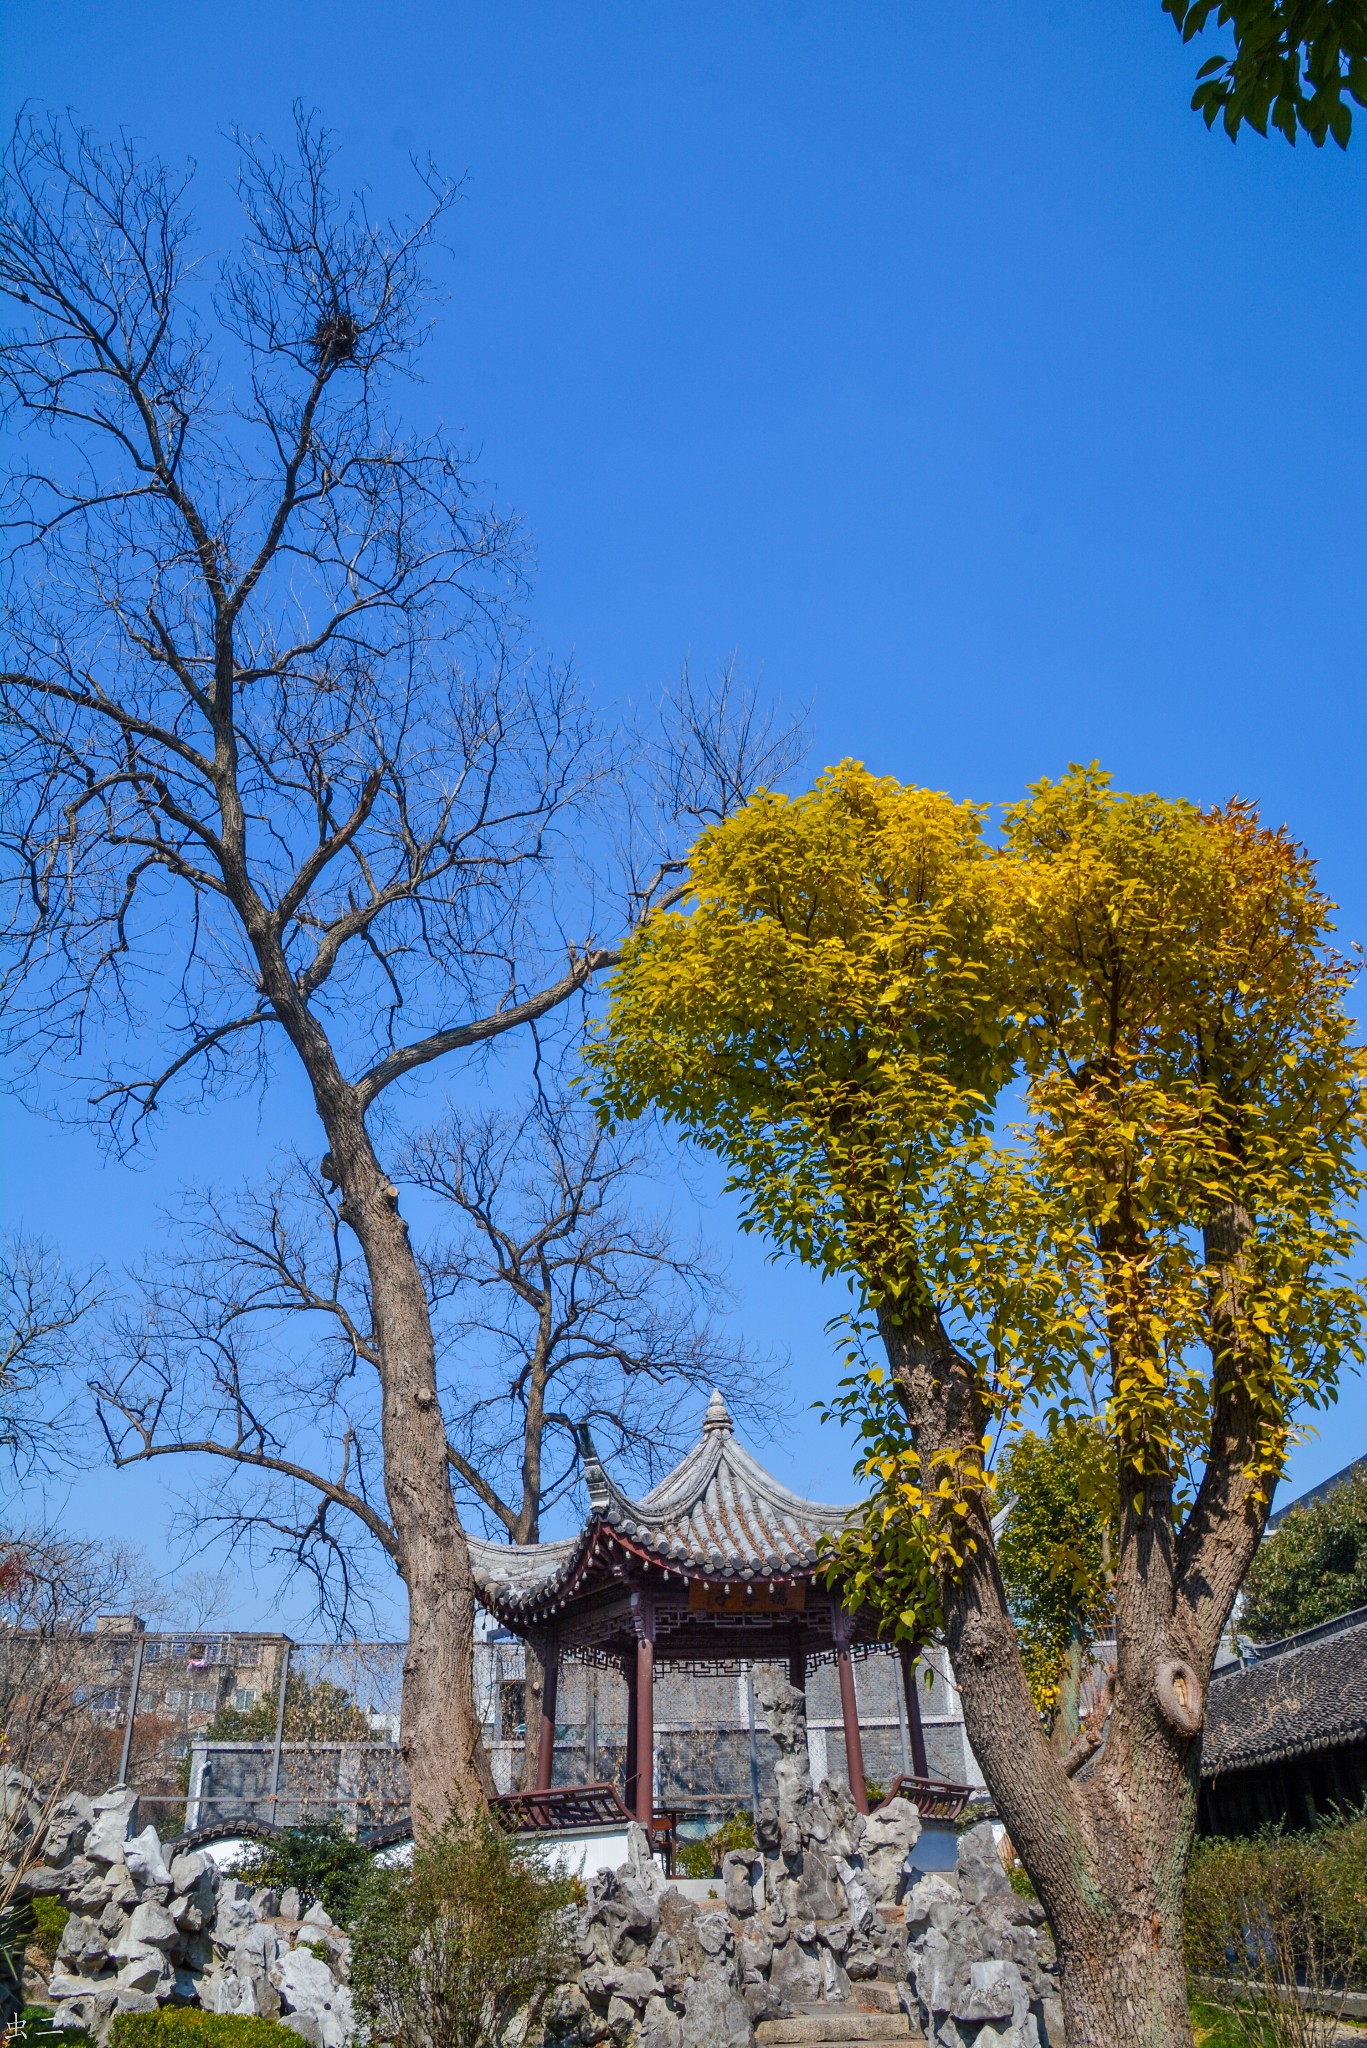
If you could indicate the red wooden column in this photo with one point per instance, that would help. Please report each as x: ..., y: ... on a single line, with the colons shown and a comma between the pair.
x: 912, y: 1694
x: 645, y: 1714
x: 545, y: 1757
x: 629, y: 1788
x: 849, y: 1714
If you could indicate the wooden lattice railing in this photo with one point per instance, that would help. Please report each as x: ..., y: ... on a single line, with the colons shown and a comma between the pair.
x: 934, y: 1798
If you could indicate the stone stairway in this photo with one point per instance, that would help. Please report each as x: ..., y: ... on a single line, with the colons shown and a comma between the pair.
x: 872, y: 2017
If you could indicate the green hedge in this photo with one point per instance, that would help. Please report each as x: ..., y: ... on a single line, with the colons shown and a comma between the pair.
x: 185, y: 2026
x: 34, y: 2029
x: 1289, y: 1906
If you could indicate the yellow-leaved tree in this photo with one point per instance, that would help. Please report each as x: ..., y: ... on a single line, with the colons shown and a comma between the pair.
x: 1079, y: 1115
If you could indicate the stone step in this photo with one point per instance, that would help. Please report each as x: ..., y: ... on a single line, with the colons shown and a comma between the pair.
x: 919, y: 2040
x: 834, y: 2027
x: 876, y: 1992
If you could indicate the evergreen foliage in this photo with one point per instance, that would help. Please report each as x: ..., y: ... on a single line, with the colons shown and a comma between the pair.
x: 1057, y: 1548
x: 1297, y: 65
x: 320, y: 1860
x: 316, y: 1710
x: 1312, y: 1567
x: 188, y: 2026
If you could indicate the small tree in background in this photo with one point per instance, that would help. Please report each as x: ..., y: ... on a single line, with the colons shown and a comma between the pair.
x: 1057, y: 1556
x: 316, y: 1710
x: 1311, y: 1567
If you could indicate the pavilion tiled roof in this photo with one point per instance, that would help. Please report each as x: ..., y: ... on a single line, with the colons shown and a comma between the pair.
x: 1304, y: 1694
x: 718, y: 1514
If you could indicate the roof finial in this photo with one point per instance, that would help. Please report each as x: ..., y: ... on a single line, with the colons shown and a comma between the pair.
x: 595, y: 1478
x: 718, y: 1415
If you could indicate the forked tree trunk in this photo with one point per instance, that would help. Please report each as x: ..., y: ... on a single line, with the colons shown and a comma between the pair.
x: 1108, y: 1852
x: 1117, y: 1916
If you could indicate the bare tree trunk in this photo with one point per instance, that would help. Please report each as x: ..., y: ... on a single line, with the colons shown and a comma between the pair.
x: 442, y: 1740
x: 533, y: 1693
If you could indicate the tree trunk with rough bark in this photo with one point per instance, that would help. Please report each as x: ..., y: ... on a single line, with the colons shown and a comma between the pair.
x: 1107, y: 1853
x: 442, y: 1741
x: 533, y: 1693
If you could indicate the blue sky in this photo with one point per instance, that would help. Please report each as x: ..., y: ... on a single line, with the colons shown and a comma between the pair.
x: 935, y: 362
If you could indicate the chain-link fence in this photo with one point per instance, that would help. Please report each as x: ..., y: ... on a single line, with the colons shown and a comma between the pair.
x: 713, y: 1752
x: 217, y: 1728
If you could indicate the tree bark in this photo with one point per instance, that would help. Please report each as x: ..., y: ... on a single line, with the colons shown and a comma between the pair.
x: 441, y: 1736
x: 442, y: 1739
x: 1107, y: 1854
x: 533, y: 1693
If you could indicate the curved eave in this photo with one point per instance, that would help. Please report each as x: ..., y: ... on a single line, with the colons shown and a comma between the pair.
x: 539, y: 1595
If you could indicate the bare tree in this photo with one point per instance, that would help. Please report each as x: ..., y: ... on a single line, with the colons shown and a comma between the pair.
x: 40, y: 1308
x: 52, y: 1587
x: 575, y: 1306
x: 282, y: 780
x: 561, y: 1303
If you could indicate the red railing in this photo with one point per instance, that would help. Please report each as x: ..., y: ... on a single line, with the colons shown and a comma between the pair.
x: 579, y: 1806
x: 934, y: 1798
x: 565, y: 1806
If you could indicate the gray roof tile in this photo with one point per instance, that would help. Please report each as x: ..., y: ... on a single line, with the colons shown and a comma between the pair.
x: 1308, y: 1693
x: 718, y: 1512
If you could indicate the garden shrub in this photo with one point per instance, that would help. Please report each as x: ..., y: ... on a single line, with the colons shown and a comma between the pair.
x: 34, y: 2029
x: 50, y: 1916
x: 446, y: 1953
x: 186, y: 2026
x: 321, y: 1861
x: 694, y: 1859
x: 1278, y: 1909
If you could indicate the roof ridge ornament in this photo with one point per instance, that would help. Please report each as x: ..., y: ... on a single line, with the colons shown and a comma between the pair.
x: 595, y: 1478
x: 718, y: 1416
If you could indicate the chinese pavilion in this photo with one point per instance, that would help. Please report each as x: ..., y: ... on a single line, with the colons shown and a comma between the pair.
x: 717, y: 1565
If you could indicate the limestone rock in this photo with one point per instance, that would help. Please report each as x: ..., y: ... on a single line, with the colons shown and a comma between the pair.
x: 890, y: 1835
x: 715, y: 2015
x: 150, y: 1926
x: 661, y: 2025
x: 142, y: 1855
x: 785, y: 1713
x: 147, y: 1970
x: 980, y: 1867
x: 738, y: 1887
x: 302, y: 2024
x: 307, y: 1986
